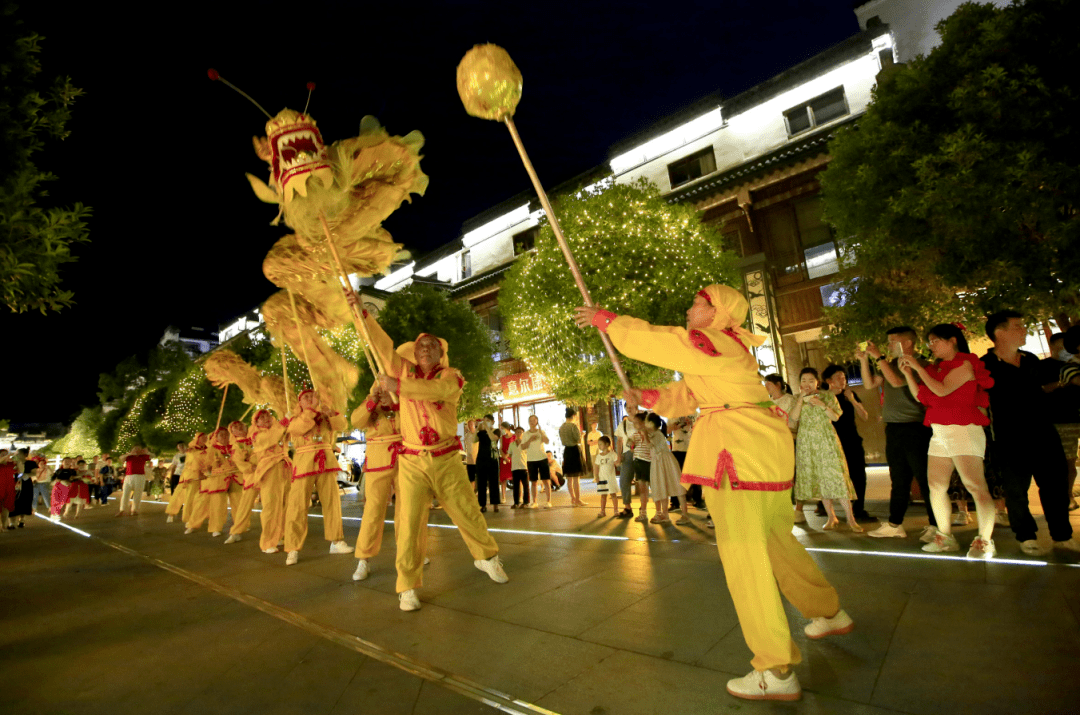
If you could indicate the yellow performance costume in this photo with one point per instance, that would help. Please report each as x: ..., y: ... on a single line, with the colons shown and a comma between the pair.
x: 429, y: 465
x: 272, y: 476
x: 742, y: 455
x: 383, y: 438
x: 187, y: 489
x: 242, y: 499
x: 314, y: 465
x: 219, y: 470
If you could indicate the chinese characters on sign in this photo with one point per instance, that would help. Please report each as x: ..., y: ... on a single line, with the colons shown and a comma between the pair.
x: 522, y: 386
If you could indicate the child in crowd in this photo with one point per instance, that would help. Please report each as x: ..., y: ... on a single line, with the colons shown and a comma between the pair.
x: 664, y: 473
x: 61, y: 487
x: 640, y: 445
x: 78, y: 489
x: 519, y: 470
x: 604, y: 475
x: 24, y: 493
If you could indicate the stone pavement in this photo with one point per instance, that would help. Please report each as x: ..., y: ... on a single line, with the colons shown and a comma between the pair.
x: 600, y: 616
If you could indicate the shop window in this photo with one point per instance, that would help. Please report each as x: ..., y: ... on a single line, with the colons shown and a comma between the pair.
x: 692, y: 167
x: 525, y: 240
x: 817, y: 111
x: 800, y: 245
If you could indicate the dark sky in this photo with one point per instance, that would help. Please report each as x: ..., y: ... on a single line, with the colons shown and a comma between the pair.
x: 160, y: 152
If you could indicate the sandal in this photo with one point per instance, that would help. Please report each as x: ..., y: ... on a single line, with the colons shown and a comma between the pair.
x: 831, y: 525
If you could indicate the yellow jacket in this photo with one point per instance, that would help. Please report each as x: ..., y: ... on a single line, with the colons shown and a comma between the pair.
x: 267, y: 451
x: 428, y: 416
x: 195, y: 463
x: 382, y: 434
x: 244, y: 459
x: 313, y: 443
x: 221, y: 470
x: 738, y: 434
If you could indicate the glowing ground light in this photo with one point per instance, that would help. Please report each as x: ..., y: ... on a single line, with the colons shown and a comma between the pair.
x: 80, y: 532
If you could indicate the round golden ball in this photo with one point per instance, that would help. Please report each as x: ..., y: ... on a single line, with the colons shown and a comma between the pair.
x: 489, y: 83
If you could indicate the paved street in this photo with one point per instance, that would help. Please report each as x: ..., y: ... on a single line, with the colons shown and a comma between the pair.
x: 599, y: 617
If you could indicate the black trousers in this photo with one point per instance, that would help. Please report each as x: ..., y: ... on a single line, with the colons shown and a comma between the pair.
x: 521, y: 485
x: 487, y: 481
x: 1038, y: 454
x: 906, y: 444
x: 856, y: 462
x: 174, y: 481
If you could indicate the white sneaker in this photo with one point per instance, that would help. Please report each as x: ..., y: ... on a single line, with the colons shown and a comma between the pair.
x: 362, y: 571
x: 1032, y: 548
x: 270, y: 551
x: 189, y: 530
x: 216, y: 534
x: 838, y: 625
x: 292, y: 558
x: 1069, y: 545
x: 492, y: 567
x: 942, y: 542
x: 408, y: 600
x: 233, y: 538
x: 169, y: 519
x: 982, y: 549
x: 426, y: 561
x: 887, y: 530
x: 683, y: 521
x: 928, y: 534
x: 340, y: 547
x: 764, y: 685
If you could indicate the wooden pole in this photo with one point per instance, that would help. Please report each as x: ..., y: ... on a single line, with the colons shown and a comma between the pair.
x: 358, y: 320
x: 221, y: 411
x: 565, y: 248
x: 247, y: 412
x: 303, y: 343
x: 285, y: 378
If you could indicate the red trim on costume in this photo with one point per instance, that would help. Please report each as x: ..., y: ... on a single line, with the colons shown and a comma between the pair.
x: 602, y: 319
x: 454, y: 447
x: 394, y: 450
x: 370, y: 405
x: 705, y: 295
x: 233, y: 478
x: 246, y: 440
x: 649, y: 398
x: 725, y: 463
x: 701, y: 341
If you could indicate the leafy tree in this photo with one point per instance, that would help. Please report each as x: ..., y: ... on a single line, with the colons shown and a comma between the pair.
x: 108, y: 429
x: 35, y: 241
x: 424, y: 309
x: 129, y: 376
x: 958, y: 189
x: 81, y: 438
x: 640, y: 256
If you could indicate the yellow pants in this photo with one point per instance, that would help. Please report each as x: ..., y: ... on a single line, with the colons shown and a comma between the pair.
x: 213, y: 507
x: 198, y: 511
x: 377, y: 486
x: 421, y: 477
x: 183, y: 497
x: 241, y: 512
x: 296, y: 514
x: 759, y: 552
x: 236, y: 494
x: 274, y: 494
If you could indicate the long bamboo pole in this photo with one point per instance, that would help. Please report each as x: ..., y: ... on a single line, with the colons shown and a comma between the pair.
x: 303, y: 343
x: 565, y: 248
x: 285, y: 378
x: 221, y: 411
x: 358, y: 320
x: 247, y: 412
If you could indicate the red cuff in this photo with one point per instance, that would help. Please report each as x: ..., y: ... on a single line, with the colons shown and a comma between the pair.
x: 649, y: 398
x: 603, y: 319
x: 364, y: 311
x: 370, y: 405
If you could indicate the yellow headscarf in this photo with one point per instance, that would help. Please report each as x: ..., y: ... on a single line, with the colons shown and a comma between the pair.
x: 408, y: 350
x: 731, y: 307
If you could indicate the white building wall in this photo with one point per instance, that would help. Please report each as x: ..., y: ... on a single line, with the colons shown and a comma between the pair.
x: 912, y: 22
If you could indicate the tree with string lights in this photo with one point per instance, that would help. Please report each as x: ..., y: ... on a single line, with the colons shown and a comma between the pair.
x: 640, y: 256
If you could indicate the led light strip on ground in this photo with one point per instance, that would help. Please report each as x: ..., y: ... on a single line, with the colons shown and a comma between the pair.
x: 819, y: 549
x: 462, y: 686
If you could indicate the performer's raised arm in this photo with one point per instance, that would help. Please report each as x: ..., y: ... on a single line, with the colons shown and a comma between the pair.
x: 446, y: 387
x: 381, y: 343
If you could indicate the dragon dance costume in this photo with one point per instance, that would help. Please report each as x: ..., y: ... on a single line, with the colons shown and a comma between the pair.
x: 428, y: 463
x: 314, y: 466
x: 187, y: 489
x: 242, y: 490
x: 742, y: 455
x: 219, y: 471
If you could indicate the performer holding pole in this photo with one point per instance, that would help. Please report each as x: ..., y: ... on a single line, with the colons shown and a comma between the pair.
x: 272, y: 476
x: 419, y: 373
x: 742, y: 454
x: 242, y: 487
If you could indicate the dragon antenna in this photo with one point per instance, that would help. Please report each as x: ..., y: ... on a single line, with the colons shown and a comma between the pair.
x: 213, y: 75
x: 310, y: 89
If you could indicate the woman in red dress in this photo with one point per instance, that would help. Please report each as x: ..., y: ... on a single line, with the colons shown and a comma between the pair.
x: 505, y: 439
x: 954, y: 392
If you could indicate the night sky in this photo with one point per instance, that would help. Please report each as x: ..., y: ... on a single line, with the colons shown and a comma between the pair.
x: 159, y: 151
